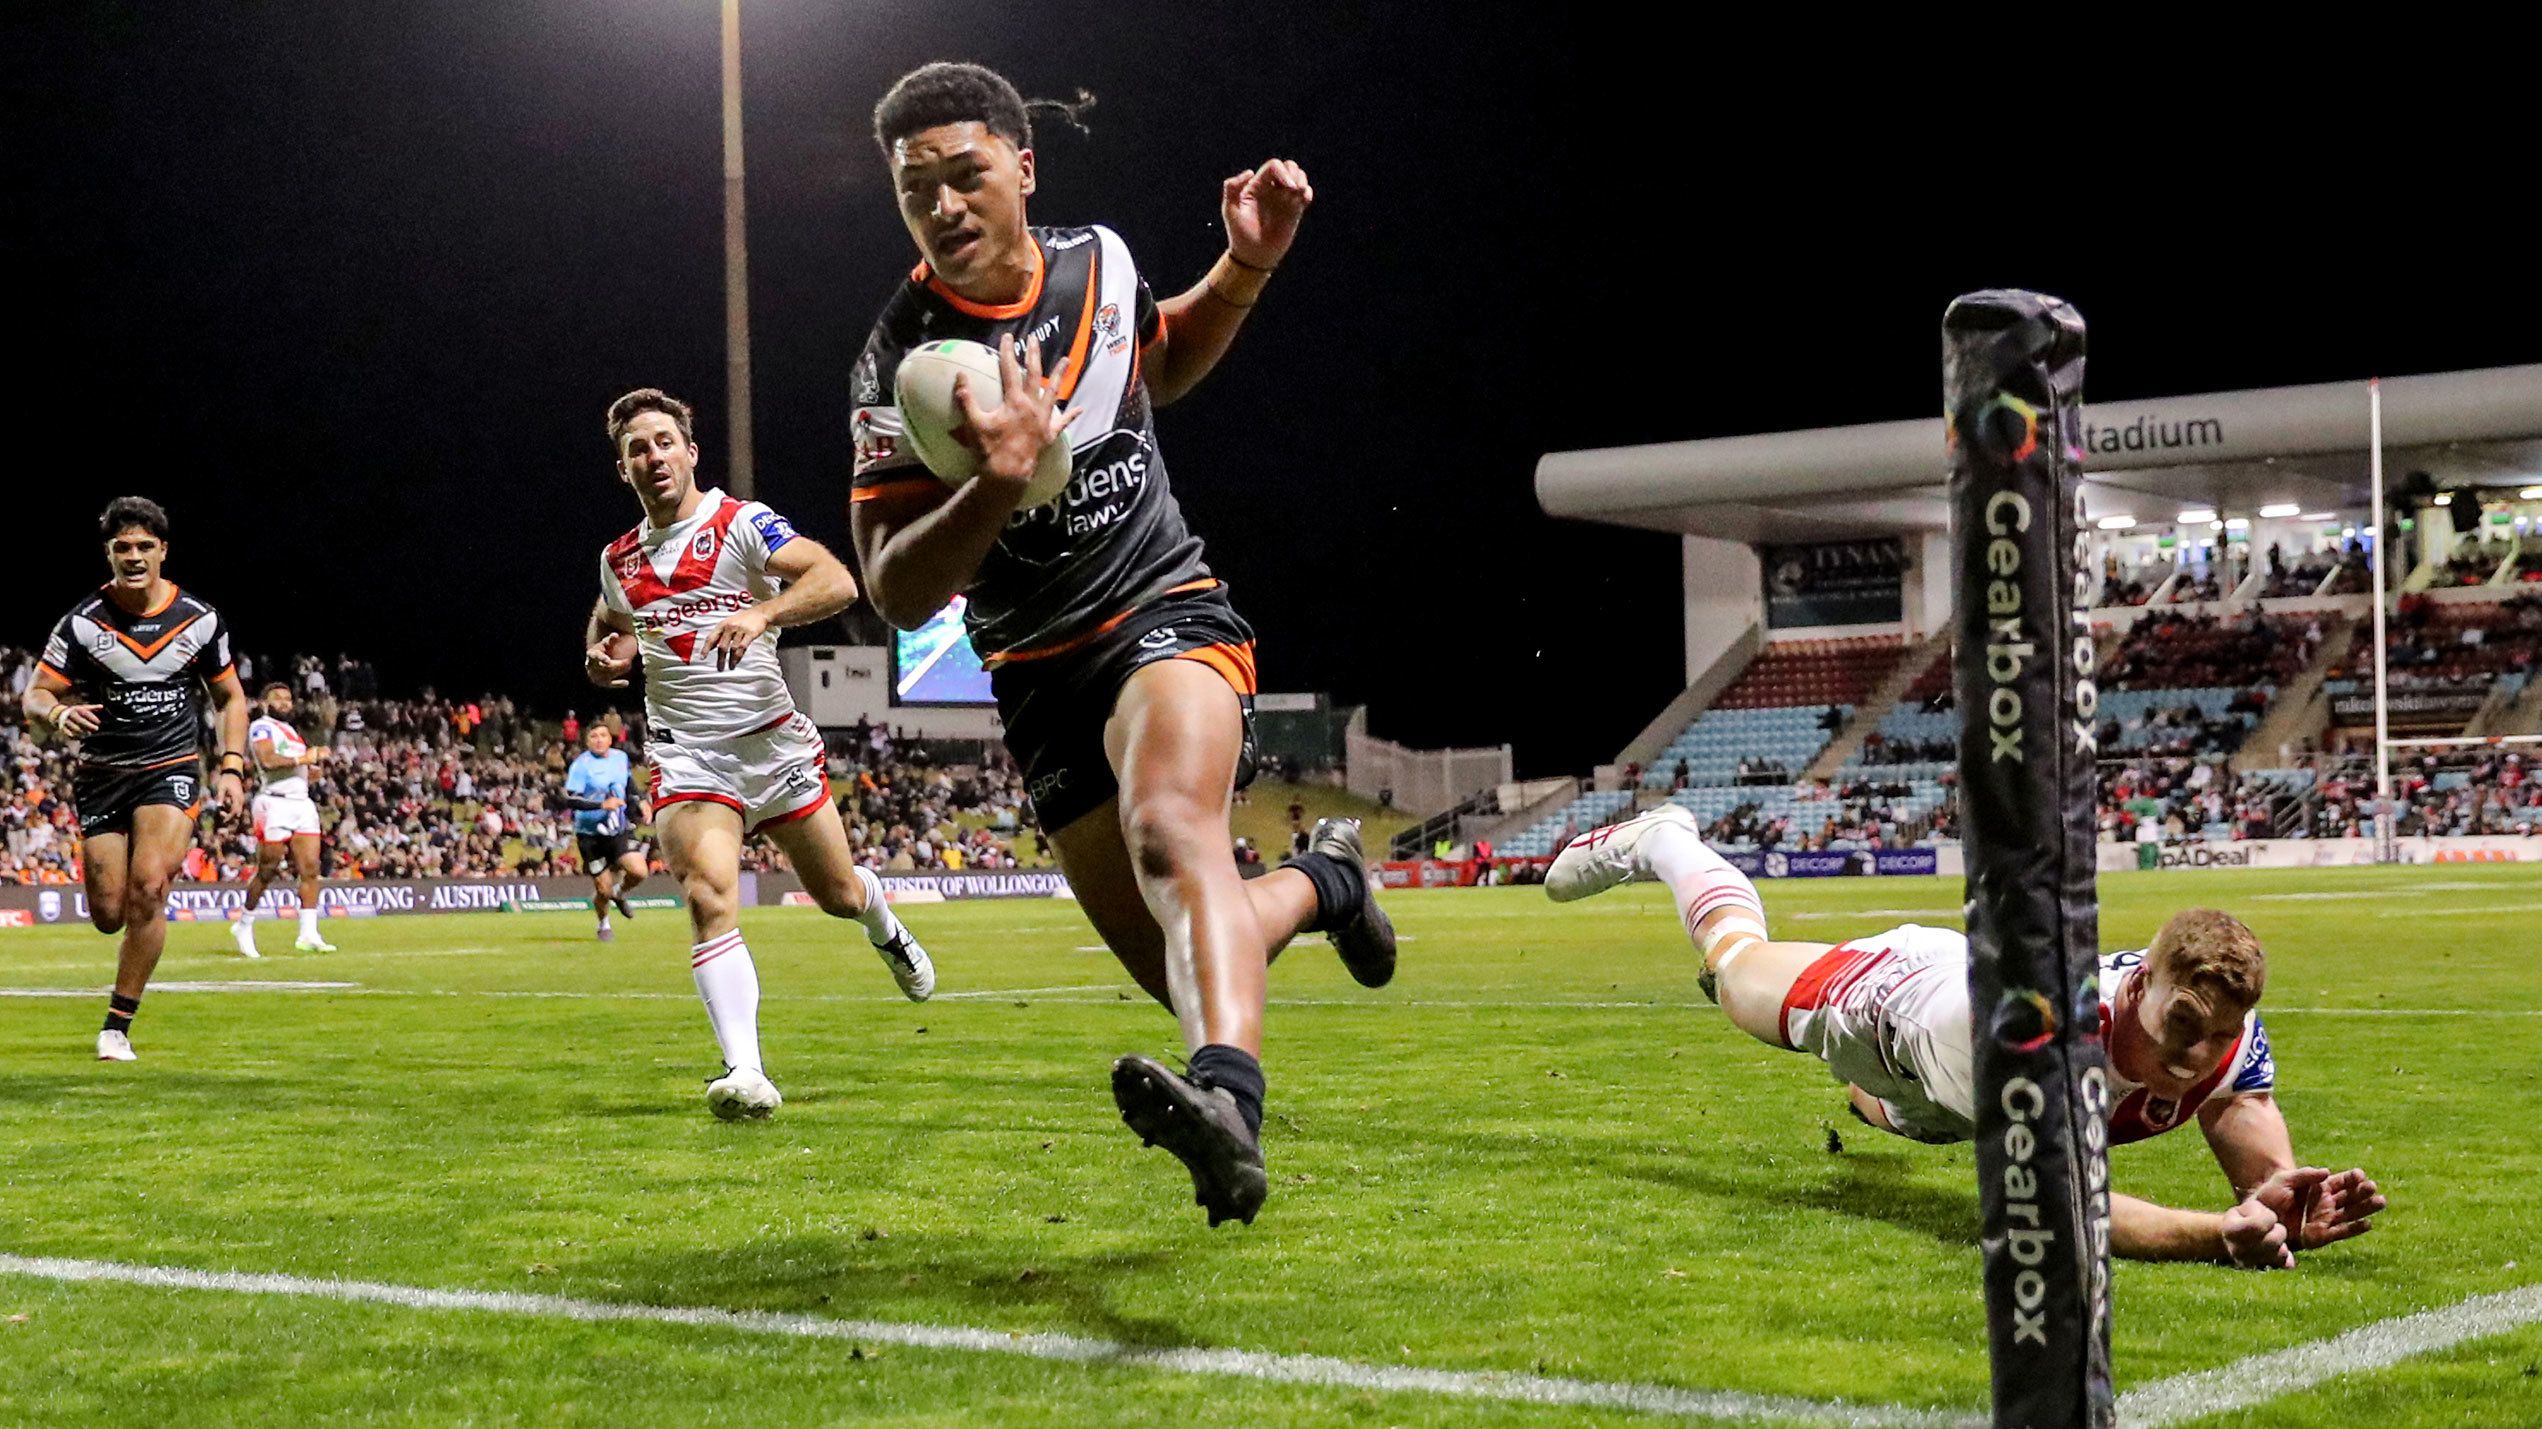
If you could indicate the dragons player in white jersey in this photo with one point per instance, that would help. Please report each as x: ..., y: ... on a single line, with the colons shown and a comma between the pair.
x: 285, y: 818
x: 703, y: 585
x: 1889, y: 1015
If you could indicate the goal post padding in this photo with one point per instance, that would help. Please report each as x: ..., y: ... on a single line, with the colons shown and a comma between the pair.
x: 2012, y: 379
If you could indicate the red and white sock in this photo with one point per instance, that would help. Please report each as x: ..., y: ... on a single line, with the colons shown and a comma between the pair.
x: 1704, y: 884
x: 729, y: 982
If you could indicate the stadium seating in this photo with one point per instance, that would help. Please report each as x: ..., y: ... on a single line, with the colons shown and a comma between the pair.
x: 1589, y: 811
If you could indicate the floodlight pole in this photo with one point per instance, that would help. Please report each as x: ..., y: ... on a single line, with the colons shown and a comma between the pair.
x: 2383, y: 831
x: 736, y: 271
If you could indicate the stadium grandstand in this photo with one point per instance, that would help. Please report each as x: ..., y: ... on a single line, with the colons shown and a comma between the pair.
x: 2234, y: 538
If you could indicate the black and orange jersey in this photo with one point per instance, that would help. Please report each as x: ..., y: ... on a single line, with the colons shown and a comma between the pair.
x: 149, y: 672
x: 1115, y: 539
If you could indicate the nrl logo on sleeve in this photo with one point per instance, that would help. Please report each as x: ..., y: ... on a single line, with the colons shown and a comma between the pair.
x: 631, y: 566
x: 103, y: 645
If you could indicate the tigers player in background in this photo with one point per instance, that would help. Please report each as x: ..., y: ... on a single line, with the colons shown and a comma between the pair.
x: 142, y: 653
x: 1123, y: 674
x: 286, y: 818
x: 596, y: 789
x: 1889, y: 1015
x: 703, y: 585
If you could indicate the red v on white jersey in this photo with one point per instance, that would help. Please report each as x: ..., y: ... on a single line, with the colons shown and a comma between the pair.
x: 676, y: 584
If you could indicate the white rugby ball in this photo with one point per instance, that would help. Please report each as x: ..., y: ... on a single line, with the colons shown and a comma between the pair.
x: 930, y: 414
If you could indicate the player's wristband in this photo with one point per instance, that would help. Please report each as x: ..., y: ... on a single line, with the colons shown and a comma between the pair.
x: 233, y: 762
x: 1251, y: 267
x: 1237, y: 284
x: 54, y: 716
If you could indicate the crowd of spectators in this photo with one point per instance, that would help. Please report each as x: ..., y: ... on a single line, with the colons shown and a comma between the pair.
x: 437, y: 787
x: 2131, y: 585
x: 1878, y: 748
x: 2194, y: 589
x: 1863, y: 813
x: 2433, y: 642
x: 2183, y: 798
x: 1762, y: 770
x: 2305, y: 577
x: 2192, y: 651
x: 2473, y: 561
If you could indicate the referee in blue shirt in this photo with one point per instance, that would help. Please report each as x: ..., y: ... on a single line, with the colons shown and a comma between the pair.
x: 604, y: 818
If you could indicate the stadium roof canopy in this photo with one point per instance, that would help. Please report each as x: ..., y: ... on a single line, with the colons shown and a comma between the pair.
x: 2230, y: 451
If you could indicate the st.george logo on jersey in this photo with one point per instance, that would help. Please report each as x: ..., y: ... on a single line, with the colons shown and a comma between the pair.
x: 702, y: 545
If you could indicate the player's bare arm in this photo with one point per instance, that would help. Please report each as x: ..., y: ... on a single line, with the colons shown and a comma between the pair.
x: 268, y: 757
x: 817, y: 586
x: 1261, y: 208
x: 2299, y: 1209
x: 2249, y: 1138
x: 921, y: 546
x: 45, y: 708
x: 607, y: 670
x: 229, y: 701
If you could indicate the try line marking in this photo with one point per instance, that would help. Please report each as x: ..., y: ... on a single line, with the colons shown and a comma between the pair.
x: 2238, y: 1385
x: 1312, y: 1370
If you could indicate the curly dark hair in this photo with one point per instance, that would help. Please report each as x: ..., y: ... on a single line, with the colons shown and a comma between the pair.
x: 125, y: 512
x: 951, y: 92
x: 649, y: 399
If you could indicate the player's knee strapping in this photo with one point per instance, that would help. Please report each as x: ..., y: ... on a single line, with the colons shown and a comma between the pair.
x: 1722, y: 912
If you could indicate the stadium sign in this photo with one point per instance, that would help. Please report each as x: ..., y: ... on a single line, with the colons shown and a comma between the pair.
x: 355, y: 898
x: 2325, y: 853
x: 2359, y: 708
x: 785, y: 890
x: 1841, y: 863
x: 1834, y: 583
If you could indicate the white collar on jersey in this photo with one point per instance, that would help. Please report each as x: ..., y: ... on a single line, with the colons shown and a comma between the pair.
x: 708, y: 500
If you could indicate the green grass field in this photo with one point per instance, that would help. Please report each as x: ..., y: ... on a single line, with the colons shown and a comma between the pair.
x: 1537, y: 1152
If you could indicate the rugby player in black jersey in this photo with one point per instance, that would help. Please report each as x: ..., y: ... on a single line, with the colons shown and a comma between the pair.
x: 140, y: 652
x: 1122, y: 671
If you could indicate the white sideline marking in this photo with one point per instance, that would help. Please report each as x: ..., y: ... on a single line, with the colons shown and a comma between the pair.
x: 989, y: 992
x: 244, y: 985
x: 2289, y: 1371
x: 2459, y: 912
x: 1315, y: 1370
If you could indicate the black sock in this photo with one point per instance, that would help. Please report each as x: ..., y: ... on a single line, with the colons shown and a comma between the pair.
x: 1236, y: 1072
x: 1340, y: 891
x: 119, y: 1011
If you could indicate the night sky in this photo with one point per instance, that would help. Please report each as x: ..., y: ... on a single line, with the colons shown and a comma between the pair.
x: 348, y: 286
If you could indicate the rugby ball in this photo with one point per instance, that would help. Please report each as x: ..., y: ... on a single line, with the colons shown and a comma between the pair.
x: 930, y: 415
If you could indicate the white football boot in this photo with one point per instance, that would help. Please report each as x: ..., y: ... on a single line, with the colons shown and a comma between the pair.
x: 310, y: 943
x: 909, y: 964
x: 1602, y: 858
x: 244, y: 935
x: 115, y: 1047
x: 742, y: 1092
